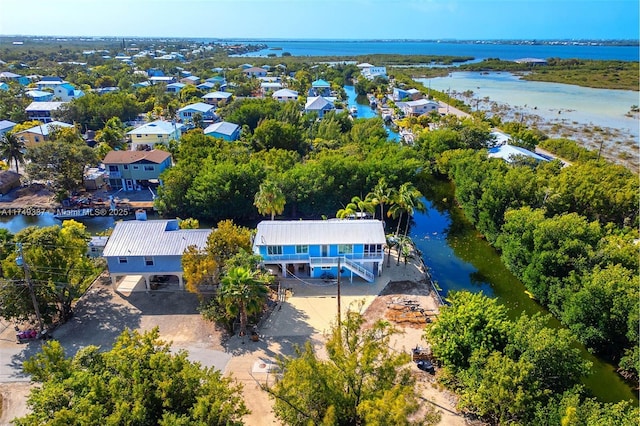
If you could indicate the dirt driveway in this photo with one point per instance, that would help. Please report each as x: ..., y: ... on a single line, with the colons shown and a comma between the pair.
x: 102, y: 314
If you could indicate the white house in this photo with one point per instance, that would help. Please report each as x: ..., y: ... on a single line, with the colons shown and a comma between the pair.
x: 284, y: 95
x: 419, y: 107
x: 159, y: 131
x: 371, y: 71
x: 511, y: 153
x: 66, y: 92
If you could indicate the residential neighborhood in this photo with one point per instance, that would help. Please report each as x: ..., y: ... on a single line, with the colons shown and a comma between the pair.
x: 283, y: 219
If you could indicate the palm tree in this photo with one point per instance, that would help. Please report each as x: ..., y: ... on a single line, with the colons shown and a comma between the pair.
x: 363, y: 206
x: 406, y: 200
x: 380, y: 195
x: 242, y: 293
x: 12, y: 149
x: 270, y: 199
x: 348, y: 211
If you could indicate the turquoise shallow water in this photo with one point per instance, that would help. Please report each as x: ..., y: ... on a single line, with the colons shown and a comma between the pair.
x: 551, y: 101
x: 417, y: 47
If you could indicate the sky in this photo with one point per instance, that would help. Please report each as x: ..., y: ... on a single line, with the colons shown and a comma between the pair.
x: 327, y: 19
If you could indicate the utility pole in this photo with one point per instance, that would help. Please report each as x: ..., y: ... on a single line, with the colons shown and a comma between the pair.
x: 20, y: 262
x: 339, y: 307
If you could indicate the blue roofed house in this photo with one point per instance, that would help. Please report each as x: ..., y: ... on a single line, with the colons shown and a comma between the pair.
x: 319, y: 105
x: 175, y: 87
x: 320, y: 88
x: 4, y: 86
x: 223, y: 130
x: 150, y: 248
x: 133, y: 170
x: 39, y: 95
x: 188, y: 112
x: 315, y: 248
x: 206, y: 86
x: 66, y: 92
x: 158, y: 131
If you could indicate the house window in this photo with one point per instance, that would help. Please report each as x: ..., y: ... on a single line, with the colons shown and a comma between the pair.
x: 149, y: 168
x: 138, y: 136
x: 125, y: 166
x: 274, y: 250
x: 148, y: 261
x: 325, y: 268
x: 113, y: 168
x: 160, y: 136
x: 37, y: 139
x: 302, y: 249
x: 136, y: 167
x: 372, y: 248
x: 345, y: 248
x: 122, y: 260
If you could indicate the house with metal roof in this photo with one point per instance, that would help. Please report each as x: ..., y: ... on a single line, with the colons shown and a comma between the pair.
x: 38, y: 134
x: 6, y: 126
x: 150, y: 248
x: 285, y: 95
x: 223, y: 130
x: 511, y: 153
x: 206, y: 111
x: 190, y: 79
x: 158, y: 131
x: 319, y: 105
x: 320, y: 88
x: 39, y: 95
x: 66, y: 92
x: 214, y: 98
x: 419, y: 107
x: 322, y: 248
x: 10, y: 76
x: 254, y: 72
x: 175, y: 87
x: 42, y: 111
x: 134, y: 170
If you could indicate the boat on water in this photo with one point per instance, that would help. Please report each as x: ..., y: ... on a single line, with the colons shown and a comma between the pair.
x: 64, y: 214
x: 353, y: 111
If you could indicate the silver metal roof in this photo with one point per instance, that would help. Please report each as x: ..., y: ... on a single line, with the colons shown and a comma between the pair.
x: 311, y: 232
x: 152, y: 238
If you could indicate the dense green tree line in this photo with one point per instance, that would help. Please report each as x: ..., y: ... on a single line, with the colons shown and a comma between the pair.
x: 568, y: 234
x: 321, y: 166
x: 515, y: 371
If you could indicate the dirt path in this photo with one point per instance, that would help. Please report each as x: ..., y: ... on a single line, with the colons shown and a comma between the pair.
x: 14, y: 401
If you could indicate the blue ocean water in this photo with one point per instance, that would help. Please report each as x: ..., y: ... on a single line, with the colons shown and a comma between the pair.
x: 413, y: 47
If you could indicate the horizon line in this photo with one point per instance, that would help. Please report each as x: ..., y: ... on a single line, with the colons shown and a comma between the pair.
x: 383, y: 39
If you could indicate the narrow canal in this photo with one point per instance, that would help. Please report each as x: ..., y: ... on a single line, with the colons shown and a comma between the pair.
x: 460, y: 260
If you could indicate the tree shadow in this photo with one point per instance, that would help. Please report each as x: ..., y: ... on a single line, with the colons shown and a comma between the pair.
x: 285, y: 329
